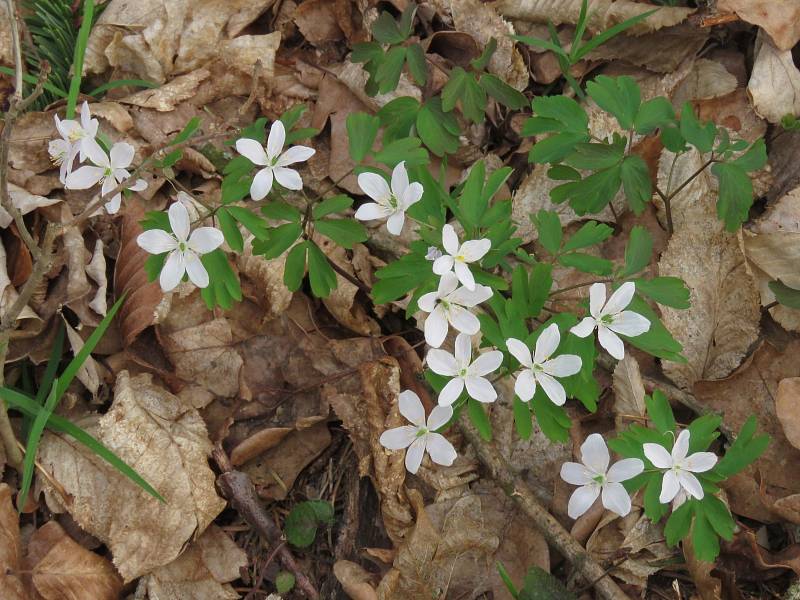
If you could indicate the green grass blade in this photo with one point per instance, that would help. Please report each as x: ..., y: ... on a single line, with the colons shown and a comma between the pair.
x: 117, y: 83
x: 580, y: 29
x: 52, y: 365
x: 75, y: 364
x: 603, y: 37
x: 26, y: 405
x: 77, y: 61
x: 33, y: 444
x: 50, y: 87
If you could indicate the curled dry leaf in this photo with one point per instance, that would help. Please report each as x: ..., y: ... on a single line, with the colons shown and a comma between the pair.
x: 722, y: 322
x: 603, y: 14
x: 89, y: 371
x: 167, y: 444
x: 707, y: 79
x: 10, y: 548
x: 774, y: 85
x: 779, y: 18
x: 96, y: 270
x: 169, y: 95
x: 9, y: 295
x: 629, y: 392
x: 61, y: 568
x: 202, y: 572
x: 25, y: 203
x: 355, y: 580
x: 787, y: 407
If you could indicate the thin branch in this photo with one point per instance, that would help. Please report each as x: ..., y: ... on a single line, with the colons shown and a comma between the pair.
x: 578, y: 286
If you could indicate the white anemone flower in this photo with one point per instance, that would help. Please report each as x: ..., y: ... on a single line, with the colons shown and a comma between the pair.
x: 464, y: 371
x: 420, y: 436
x: 80, y: 135
x: 184, y: 249
x: 391, y: 203
x: 450, y: 305
x: 62, y: 155
x: 459, y: 256
x: 611, y: 318
x: 681, y: 468
x: 595, y: 478
x: 110, y: 169
x: 540, y: 368
x: 274, y: 162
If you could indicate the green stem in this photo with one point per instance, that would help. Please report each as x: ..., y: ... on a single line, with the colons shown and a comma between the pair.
x: 77, y: 61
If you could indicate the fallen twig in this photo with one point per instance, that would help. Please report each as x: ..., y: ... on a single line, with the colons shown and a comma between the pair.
x: 238, y: 489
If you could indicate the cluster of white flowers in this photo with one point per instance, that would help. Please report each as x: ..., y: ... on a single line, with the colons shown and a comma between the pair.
x: 78, y: 140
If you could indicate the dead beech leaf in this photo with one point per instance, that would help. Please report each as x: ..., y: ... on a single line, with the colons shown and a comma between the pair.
x: 708, y: 586
x: 779, y: 18
x: 169, y: 95
x: 202, y: 572
x: 96, y: 270
x: 603, y: 14
x: 787, y: 407
x: 316, y: 20
x: 62, y: 569
x: 707, y: 79
x: 10, y: 548
x: 722, y: 322
x: 355, y: 580
x: 9, y: 295
x: 629, y: 391
x: 167, y: 444
x: 25, y: 203
x: 774, y: 84
x: 89, y: 371
x: 262, y: 281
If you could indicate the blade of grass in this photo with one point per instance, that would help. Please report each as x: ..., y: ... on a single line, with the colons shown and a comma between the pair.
x: 121, y: 83
x: 603, y: 37
x: 33, y: 444
x: 580, y: 29
x: 77, y: 61
x: 26, y: 405
x: 50, y: 87
x: 52, y: 365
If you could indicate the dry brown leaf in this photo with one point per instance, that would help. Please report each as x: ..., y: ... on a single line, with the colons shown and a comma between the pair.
x: 707, y: 79
x: 708, y: 586
x: 355, y: 580
x: 202, y: 572
x: 89, y: 371
x: 316, y: 20
x: 262, y: 281
x: 96, y: 270
x: 722, y: 322
x: 8, y: 294
x: 603, y: 14
x: 62, y: 569
x: 787, y: 407
x: 774, y: 85
x: 167, y: 444
x: 779, y: 18
x: 169, y: 95
x: 25, y: 203
x: 629, y: 391
x: 10, y: 548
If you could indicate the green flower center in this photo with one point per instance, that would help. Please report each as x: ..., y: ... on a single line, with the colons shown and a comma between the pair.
x: 462, y: 372
x: 183, y: 246
x: 607, y: 319
x: 422, y: 431
x: 599, y: 479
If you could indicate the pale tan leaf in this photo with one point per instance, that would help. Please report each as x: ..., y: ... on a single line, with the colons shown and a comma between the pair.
x: 96, y: 270
x: 63, y: 569
x: 707, y: 79
x: 779, y: 18
x: 629, y: 391
x: 169, y: 95
x: 355, y: 580
x: 723, y: 319
x: 8, y: 294
x: 202, y: 572
x: 774, y: 84
x: 10, y: 548
x: 262, y: 281
x: 25, y: 203
x: 787, y: 407
x: 167, y: 444
x: 88, y: 373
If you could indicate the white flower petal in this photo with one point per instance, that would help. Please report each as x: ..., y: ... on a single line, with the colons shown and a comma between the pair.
x: 470, y: 298
x: 464, y: 275
x: 450, y: 239
x: 474, y: 250
x: 172, y: 272
x: 669, y: 487
x: 451, y: 391
x: 562, y: 366
x: 463, y: 349
x: 594, y: 454
x: 616, y: 498
x: 394, y: 224
x: 295, y: 154
x: 658, y: 455
x: 625, y: 469
x: 398, y: 438
x: 113, y: 205
x: 447, y: 285
x: 553, y: 389
x: 276, y: 139
x: 195, y: 270
x: 486, y: 363
x: 411, y: 408
x: 436, y: 327
x: 629, y: 323
x: 609, y: 340
x: 86, y: 116
x: 546, y: 343
x: 84, y: 177
x: 582, y: 500
x: 597, y: 297
x: 681, y: 447
x: 620, y: 298
x: 121, y: 155
x: 414, y: 455
x: 288, y: 178
x: 691, y: 484
x: 480, y: 389
x: 372, y: 211
x: 575, y: 473
x: 427, y: 302
x: 463, y: 320
x: 442, y: 362
x: 179, y: 221
x: 411, y: 196
x: 700, y: 462
x: 374, y: 186
x: 439, y: 417
x: 584, y: 328
x: 525, y: 385
x: 205, y: 239
x: 443, y: 264
x: 156, y: 241
x: 440, y: 450
x: 138, y: 185
x: 520, y: 351
x: 252, y: 151
x: 399, y: 179
x: 262, y: 184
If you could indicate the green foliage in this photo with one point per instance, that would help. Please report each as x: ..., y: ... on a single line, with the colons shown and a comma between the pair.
x: 541, y: 585
x: 304, y: 519
x: 785, y: 295
x: 284, y: 582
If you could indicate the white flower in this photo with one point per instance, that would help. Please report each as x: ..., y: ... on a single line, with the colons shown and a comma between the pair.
x: 80, y: 135
x: 542, y: 369
x: 420, y: 436
x: 433, y: 253
x: 680, y: 467
x: 184, y: 249
x: 390, y: 203
x: 449, y: 305
x: 62, y: 154
x: 460, y: 255
x: 610, y: 318
x: 275, y: 164
x: 594, y: 476
x: 111, y: 169
x: 464, y: 371
x: 190, y: 205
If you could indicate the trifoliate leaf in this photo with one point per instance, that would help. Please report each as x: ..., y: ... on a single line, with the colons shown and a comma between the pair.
x: 548, y: 225
x: 636, y: 182
x: 619, y: 96
x: 345, y: 232
x: 320, y: 273
x: 654, y: 114
x: 637, y: 251
x: 698, y: 135
x: 669, y: 291
x: 361, y: 131
x: 415, y: 59
x: 589, y: 234
x: 678, y: 524
x: 502, y: 92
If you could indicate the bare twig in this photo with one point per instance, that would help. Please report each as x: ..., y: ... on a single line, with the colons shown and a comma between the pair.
x: 237, y: 488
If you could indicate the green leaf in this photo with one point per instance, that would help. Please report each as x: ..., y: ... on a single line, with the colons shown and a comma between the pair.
x: 595, y: 156
x: 502, y: 92
x: 735, y: 194
x: 541, y: 585
x: 405, y: 149
x: 507, y: 581
x: 415, y: 59
x: 280, y: 239
x: 755, y: 158
x: 540, y: 43
x: 591, y: 194
x: 482, y: 61
x: 438, y: 129
x: 570, y: 116
x: 548, y: 225
x: 652, y: 507
x: 589, y: 234
x: 555, y: 147
x: 473, y: 102
x: 453, y: 90
x: 472, y: 202
x: 34, y: 436
x: 636, y: 182
x: 522, y: 418
x: 601, y: 38
x: 388, y: 73
x: 745, y: 449
x: 406, y: 22
x: 785, y: 295
x: 637, y: 251
x: 77, y: 61
x: 540, y: 282
x: 320, y: 273
x: 345, y: 232
x: 653, y: 114
x: 698, y: 135
x: 186, y: 132
x: 304, y: 519
x: 295, y: 267
x: 660, y: 412
x: 398, y: 116
x: 657, y: 341
x: 331, y: 205
x: 678, y: 524
x: 284, y: 582
x: 669, y: 291
x: 704, y: 540
x: 361, y: 131
x: 719, y: 516
x: 553, y: 420
x: 230, y: 230
x: 252, y: 222
x: 223, y: 288
x: 672, y: 139
x: 478, y: 417
x: 587, y: 263
x: 619, y: 96
x: 386, y: 31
